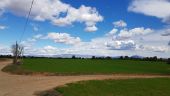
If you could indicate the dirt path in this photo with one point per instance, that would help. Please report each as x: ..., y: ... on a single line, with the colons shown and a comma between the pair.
x: 19, y: 85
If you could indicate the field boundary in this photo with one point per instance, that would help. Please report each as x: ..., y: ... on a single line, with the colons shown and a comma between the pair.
x: 17, y: 70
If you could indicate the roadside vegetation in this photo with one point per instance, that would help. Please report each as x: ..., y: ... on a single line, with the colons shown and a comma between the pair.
x: 4, y: 59
x: 130, y: 87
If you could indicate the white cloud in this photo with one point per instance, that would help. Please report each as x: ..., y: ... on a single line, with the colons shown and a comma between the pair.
x: 155, y: 37
x: 105, y: 46
x: 35, y: 27
x: 166, y: 33
x: 28, y: 44
x: 49, y: 49
x: 112, y: 32
x: 122, y: 33
x: 140, y: 39
x: 4, y: 50
x: 63, y: 38
x: 121, y: 45
x: 157, y: 8
x: 46, y: 51
x: 42, y: 10
x: 2, y: 27
x: 153, y: 48
x: 125, y: 34
x: 91, y: 29
x: 154, y: 42
x: 38, y: 36
x: 52, y: 10
x: 120, y: 23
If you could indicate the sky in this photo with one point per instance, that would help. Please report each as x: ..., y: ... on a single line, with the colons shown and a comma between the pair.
x: 87, y: 27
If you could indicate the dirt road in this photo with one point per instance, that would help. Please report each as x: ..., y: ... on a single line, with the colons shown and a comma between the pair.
x: 19, y: 85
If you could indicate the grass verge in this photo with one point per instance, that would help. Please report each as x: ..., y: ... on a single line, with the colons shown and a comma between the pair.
x: 130, y: 87
x: 16, y: 69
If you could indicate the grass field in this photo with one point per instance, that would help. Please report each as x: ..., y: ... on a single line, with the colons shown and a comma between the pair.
x: 131, y: 87
x: 89, y: 66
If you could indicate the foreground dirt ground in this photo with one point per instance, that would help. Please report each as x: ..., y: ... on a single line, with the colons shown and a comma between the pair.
x: 19, y: 85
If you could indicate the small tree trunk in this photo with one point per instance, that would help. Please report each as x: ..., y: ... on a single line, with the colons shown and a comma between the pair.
x: 15, y: 54
x: 17, y: 51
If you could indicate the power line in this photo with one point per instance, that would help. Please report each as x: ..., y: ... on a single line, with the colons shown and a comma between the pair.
x: 26, y: 23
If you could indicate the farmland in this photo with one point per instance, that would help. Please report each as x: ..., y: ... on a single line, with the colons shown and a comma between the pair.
x: 130, y: 87
x: 89, y: 66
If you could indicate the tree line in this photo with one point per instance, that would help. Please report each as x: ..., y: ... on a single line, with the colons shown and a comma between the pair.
x: 155, y: 58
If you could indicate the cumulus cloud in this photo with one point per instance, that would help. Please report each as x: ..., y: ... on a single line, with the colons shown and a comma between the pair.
x: 28, y: 43
x: 120, y: 23
x: 123, y: 33
x: 153, y: 48
x: 2, y: 27
x: 156, y: 8
x: 45, y: 51
x: 166, y: 33
x: 35, y: 27
x: 55, y: 11
x: 134, y: 32
x: 4, y: 50
x: 126, y: 34
x: 121, y: 45
x: 112, y: 32
x: 49, y: 49
x: 88, y: 15
x: 91, y: 29
x: 125, y: 39
x: 169, y: 43
x: 136, y: 39
x: 63, y: 38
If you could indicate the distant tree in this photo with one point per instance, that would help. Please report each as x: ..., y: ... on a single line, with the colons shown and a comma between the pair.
x: 168, y: 61
x: 73, y: 57
x: 17, y: 51
x: 146, y: 58
x: 79, y: 57
x: 108, y: 57
x: 121, y: 57
x: 160, y: 59
x: 155, y: 58
x: 93, y: 57
x: 126, y: 57
x: 5, y: 56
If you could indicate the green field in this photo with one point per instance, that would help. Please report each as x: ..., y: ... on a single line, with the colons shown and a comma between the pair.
x: 131, y: 87
x: 89, y: 66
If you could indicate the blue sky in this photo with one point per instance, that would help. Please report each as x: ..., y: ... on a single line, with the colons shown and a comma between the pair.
x: 89, y: 27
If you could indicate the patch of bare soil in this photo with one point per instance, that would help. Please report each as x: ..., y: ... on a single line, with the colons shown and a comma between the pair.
x: 21, y: 85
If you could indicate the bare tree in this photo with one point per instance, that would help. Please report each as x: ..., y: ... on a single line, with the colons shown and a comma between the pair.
x: 17, y: 51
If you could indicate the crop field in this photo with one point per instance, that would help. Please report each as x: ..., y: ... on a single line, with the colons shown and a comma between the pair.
x: 89, y: 66
x: 130, y: 87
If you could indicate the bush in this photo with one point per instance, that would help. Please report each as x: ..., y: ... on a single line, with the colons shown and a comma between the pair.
x: 168, y: 61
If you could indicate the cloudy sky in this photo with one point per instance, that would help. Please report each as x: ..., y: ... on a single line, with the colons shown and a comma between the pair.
x: 87, y: 27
